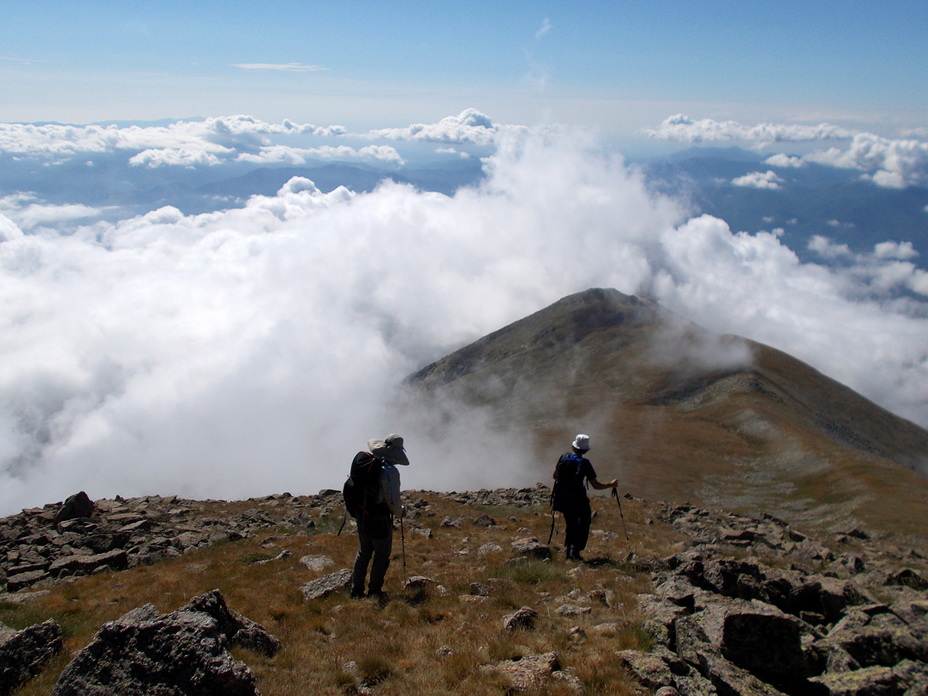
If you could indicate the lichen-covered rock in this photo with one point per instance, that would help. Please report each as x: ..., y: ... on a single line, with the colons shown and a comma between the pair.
x: 651, y: 670
x: 327, y: 584
x: 238, y: 629
x: 753, y: 636
x: 24, y: 653
x: 521, y: 620
x: 529, y: 673
x: 876, y: 636
x: 530, y: 547
x: 184, y: 653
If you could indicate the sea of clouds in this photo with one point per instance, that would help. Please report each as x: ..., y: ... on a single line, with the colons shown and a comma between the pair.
x: 254, y: 350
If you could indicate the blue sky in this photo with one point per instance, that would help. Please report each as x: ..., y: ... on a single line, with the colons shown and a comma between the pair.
x: 622, y: 66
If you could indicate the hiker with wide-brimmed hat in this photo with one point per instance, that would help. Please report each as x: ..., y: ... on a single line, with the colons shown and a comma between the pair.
x: 572, y: 472
x: 375, y: 522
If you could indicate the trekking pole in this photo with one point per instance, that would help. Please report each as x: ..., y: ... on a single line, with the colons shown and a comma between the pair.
x: 615, y: 494
x: 403, y: 541
x: 553, y: 518
x: 344, y: 519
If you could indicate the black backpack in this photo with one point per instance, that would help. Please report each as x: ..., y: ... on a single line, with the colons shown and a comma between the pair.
x: 361, y: 489
x: 568, y: 483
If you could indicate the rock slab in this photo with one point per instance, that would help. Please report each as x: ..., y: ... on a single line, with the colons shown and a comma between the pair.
x: 183, y: 653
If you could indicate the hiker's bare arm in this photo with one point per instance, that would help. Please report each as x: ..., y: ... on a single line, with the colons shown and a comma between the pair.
x: 598, y: 485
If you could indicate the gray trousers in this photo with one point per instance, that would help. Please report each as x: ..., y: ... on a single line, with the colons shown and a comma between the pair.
x: 368, y: 548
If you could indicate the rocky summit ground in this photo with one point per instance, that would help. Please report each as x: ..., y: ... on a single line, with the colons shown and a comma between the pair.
x: 161, y: 595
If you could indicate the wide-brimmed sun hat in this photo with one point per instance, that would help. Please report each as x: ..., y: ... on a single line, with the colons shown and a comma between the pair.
x: 390, y: 449
x: 581, y: 442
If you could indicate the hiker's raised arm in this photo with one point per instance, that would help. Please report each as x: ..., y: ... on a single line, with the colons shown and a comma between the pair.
x: 598, y: 485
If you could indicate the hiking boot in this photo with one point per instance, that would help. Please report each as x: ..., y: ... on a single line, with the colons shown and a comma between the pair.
x: 569, y: 553
x: 381, y: 596
x: 357, y: 594
x: 577, y: 556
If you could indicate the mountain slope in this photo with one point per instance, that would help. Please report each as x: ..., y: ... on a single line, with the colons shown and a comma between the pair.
x: 719, y: 419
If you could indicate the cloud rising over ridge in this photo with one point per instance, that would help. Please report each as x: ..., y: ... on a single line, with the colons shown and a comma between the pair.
x: 254, y: 350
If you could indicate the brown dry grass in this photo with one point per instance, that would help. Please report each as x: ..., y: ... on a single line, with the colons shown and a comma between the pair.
x: 441, y: 642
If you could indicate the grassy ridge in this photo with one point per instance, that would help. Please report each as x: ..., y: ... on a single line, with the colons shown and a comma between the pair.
x: 410, y: 645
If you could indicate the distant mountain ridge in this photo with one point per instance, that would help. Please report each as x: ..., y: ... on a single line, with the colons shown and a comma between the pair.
x: 719, y: 418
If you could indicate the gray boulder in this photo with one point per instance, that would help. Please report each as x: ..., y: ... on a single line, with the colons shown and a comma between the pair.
x: 239, y: 630
x: 184, y: 653
x: 24, y: 653
x: 327, y: 584
x: 531, y: 673
x: 117, y: 559
x: 905, y: 679
x: 530, y: 548
x: 755, y: 637
x: 875, y: 636
x: 74, y: 507
x: 522, y: 620
x: 18, y: 581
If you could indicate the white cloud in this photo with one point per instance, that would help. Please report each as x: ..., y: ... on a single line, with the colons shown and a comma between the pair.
x: 759, y: 180
x: 178, y: 143
x: 544, y: 29
x: 254, y: 350
x: 469, y: 126
x: 886, y: 162
x: 241, y: 138
x: 280, y: 67
x: 295, y: 155
x: 886, y: 271
x: 452, y: 151
x: 895, y: 250
x: 27, y: 212
x: 8, y: 229
x: 783, y: 160
x: 179, y: 157
x: 682, y: 128
x: 827, y: 249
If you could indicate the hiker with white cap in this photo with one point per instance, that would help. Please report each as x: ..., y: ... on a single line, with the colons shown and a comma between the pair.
x: 569, y: 497
x: 377, y: 506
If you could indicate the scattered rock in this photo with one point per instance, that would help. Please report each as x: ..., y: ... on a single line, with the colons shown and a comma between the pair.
x: 573, y: 610
x: 480, y: 589
x: 530, y: 547
x: 740, y: 627
x: 24, y: 653
x: 327, y: 584
x: 487, y: 549
x: 522, y: 620
x: 317, y: 563
x: 908, y: 578
x: 532, y: 672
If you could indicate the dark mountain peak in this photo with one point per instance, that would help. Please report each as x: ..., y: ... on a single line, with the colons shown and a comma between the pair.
x: 719, y: 419
x: 552, y: 331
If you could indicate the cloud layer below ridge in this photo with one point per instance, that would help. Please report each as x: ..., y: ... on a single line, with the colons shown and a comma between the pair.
x: 254, y: 350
